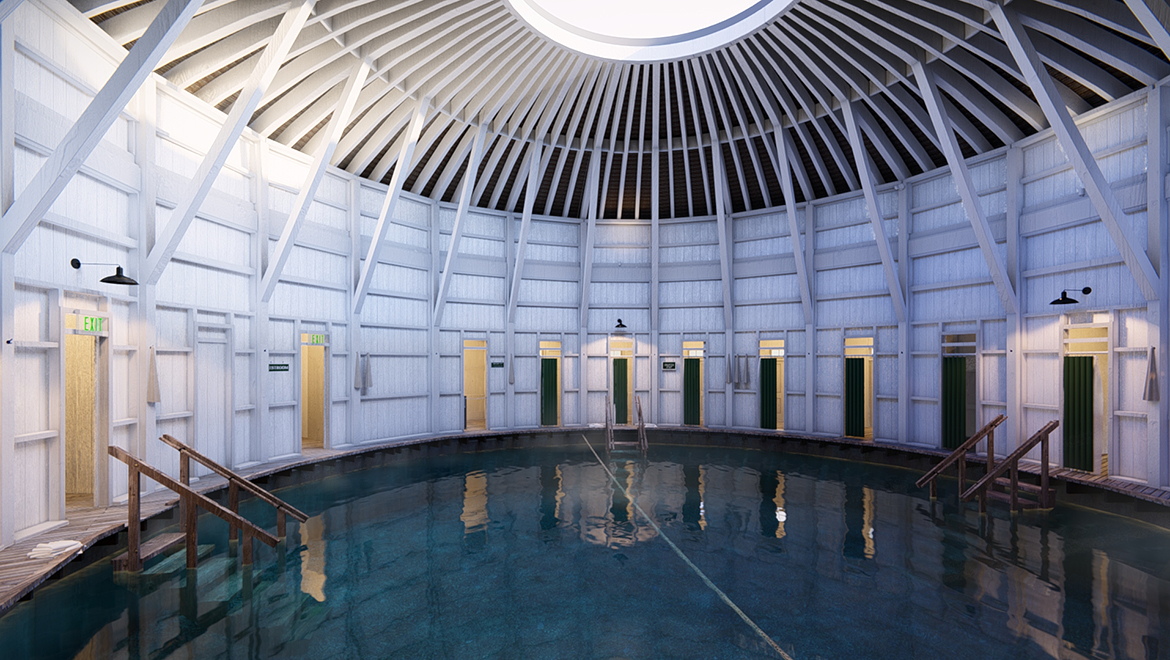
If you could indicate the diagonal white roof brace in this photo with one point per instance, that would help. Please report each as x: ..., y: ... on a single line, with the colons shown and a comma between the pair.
x: 9, y: 6
x: 266, y: 67
x: 325, y: 149
x: 1073, y: 144
x: 465, y: 193
x: 36, y: 199
x: 966, y: 187
x: 1154, y: 16
x: 535, y: 174
x: 784, y: 174
x: 401, y: 171
x: 875, y: 214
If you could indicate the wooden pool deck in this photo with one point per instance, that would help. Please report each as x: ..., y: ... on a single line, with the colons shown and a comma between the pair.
x: 19, y: 575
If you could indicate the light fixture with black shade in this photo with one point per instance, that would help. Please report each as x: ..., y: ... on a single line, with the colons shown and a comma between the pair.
x: 117, y: 278
x: 620, y: 325
x: 1065, y: 300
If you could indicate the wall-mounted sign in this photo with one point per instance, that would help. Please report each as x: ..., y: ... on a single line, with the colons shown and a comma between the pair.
x: 94, y: 324
x: 497, y: 365
x: 315, y: 339
x: 278, y: 367
x: 668, y: 366
x: 82, y: 323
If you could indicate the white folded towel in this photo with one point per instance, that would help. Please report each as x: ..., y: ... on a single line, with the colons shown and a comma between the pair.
x: 53, y: 549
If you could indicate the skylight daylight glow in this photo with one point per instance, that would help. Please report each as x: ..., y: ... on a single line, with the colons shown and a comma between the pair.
x: 646, y: 30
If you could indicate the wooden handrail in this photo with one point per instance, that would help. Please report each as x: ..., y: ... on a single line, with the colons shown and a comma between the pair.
x: 961, y: 450
x: 1013, y: 459
x: 238, y: 482
x: 192, y: 499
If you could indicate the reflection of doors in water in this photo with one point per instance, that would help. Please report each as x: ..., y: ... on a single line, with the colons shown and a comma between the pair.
x: 692, y: 391
x: 1078, y: 412
x: 80, y: 418
x: 855, y: 397
x: 549, y: 392
x: 621, y: 391
x: 768, y: 393
x: 312, y: 397
x: 475, y: 384
x: 954, y: 402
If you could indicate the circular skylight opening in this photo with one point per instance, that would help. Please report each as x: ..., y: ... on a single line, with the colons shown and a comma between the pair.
x: 646, y: 30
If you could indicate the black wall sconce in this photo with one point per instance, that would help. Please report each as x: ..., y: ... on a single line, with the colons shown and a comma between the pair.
x: 620, y: 325
x: 1065, y: 300
x: 117, y: 278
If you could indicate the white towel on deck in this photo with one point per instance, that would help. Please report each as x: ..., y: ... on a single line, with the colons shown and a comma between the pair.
x: 53, y: 549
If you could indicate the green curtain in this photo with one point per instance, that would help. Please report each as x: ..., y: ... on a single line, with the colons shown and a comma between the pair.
x: 954, y: 402
x: 692, y: 385
x: 1078, y: 412
x: 768, y: 393
x: 621, y: 391
x: 855, y: 397
x: 548, y: 392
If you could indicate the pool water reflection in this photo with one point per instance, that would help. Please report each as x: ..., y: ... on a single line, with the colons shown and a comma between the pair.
x: 535, y: 554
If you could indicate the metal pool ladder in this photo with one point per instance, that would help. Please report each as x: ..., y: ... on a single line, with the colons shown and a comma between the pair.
x: 611, y: 443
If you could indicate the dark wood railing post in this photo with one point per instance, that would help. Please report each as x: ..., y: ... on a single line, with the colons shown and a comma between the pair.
x: 133, y: 526
x: 280, y: 523
x: 191, y: 526
x: 246, y: 541
x: 990, y: 449
x: 234, y: 505
x: 1015, y: 487
x: 1046, y: 499
x: 185, y: 479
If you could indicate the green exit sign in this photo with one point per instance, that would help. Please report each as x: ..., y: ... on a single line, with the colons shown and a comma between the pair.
x: 316, y: 339
x: 94, y: 324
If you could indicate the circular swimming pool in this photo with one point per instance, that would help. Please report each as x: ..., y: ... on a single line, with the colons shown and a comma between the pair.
x: 688, y: 552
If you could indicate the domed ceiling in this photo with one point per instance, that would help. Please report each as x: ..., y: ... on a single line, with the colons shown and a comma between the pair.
x: 649, y: 112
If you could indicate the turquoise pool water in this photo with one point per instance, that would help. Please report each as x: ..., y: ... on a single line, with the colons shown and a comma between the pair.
x: 535, y: 553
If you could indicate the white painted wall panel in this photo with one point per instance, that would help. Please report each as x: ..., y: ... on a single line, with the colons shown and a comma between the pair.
x: 32, y: 463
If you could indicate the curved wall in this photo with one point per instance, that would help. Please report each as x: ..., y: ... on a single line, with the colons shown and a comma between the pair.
x: 728, y: 281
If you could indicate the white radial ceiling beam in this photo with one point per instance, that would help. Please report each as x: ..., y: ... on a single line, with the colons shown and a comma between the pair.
x: 590, y: 208
x: 1154, y: 16
x: 534, y: 176
x: 300, y: 208
x: 81, y: 139
x: 966, y: 187
x: 405, y: 161
x: 875, y: 213
x: 460, y: 220
x: 229, y: 134
x: 1074, y: 146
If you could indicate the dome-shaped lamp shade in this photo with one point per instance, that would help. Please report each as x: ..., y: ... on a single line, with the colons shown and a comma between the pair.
x: 1065, y: 300
x: 119, y: 278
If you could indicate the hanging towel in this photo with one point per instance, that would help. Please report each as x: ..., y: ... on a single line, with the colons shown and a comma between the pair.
x: 152, y: 390
x: 745, y: 373
x: 367, y: 376
x: 730, y: 369
x: 361, y: 374
x: 1151, y: 393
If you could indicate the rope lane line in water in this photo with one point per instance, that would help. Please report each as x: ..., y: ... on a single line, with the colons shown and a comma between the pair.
x: 707, y: 581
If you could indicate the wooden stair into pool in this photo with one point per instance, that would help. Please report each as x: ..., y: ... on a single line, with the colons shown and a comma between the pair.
x: 149, y: 550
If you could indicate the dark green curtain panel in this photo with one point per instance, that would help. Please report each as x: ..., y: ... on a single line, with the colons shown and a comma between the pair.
x: 621, y: 391
x: 768, y: 393
x: 855, y: 397
x: 548, y: 392
x: 692, y: 400
x: 954, y: 401
x: 1078, y: 412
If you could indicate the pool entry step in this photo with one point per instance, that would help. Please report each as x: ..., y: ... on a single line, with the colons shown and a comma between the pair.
x: 993, y: 484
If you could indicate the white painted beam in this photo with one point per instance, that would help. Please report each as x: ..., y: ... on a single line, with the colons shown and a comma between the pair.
x: 1074, y: 146
x: 460, y: 219
x: 56, y: 172
x: 325, y: 149
x: 966, y: 187
x: 401, y: 171
x: 229, y: 133
x: 591, y: 206
x: 7, y: 7
x: 875, y: 216
x: 1154, y: 16
x: 784, y: 174
x: 535, y: 174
